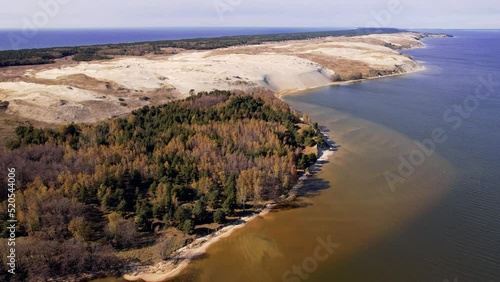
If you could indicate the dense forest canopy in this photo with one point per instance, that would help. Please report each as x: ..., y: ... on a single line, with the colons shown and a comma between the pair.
x: 86, y: 191
x: 103, y: 52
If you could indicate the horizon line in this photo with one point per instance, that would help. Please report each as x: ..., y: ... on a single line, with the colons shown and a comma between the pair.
x: 243, y: 27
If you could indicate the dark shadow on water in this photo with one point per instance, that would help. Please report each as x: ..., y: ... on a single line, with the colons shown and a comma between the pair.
x: 324, y: 129
x: 322, y: 162
x: 335, y: 148
x: 290, y: 205
x: 195, y: 258
x: 313, y: 187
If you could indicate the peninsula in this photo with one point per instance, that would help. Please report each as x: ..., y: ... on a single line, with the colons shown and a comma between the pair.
x: 152, y: 158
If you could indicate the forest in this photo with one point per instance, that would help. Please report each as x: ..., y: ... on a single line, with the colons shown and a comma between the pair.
x: 86, y: 192
x: 107, y: 51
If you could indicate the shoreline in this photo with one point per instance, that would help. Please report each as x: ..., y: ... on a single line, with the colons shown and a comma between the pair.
x: 168, y: 269
x: 420, y: 67
x: 181, y: 258
x: 283, y: 93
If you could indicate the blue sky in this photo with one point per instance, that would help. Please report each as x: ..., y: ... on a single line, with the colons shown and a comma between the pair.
x: 279, y: 13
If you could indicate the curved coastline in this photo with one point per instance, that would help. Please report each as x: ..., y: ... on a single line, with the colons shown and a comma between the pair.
x: 283, y: 93
x: 181, y: 259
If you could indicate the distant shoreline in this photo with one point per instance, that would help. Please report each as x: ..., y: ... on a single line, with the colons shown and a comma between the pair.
x: 49, y: 37
x: 340, y: 83
x: 260, y: 34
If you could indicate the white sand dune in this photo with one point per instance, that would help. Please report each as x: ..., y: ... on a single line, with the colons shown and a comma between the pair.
x: 34, y: 91
x: 202, y: 72
x: 62, y: 104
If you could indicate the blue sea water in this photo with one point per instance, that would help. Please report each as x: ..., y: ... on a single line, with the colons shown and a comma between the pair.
x: 47, y: 38
x: 459, y: 238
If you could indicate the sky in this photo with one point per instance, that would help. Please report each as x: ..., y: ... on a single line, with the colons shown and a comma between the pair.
x: 254, y: 13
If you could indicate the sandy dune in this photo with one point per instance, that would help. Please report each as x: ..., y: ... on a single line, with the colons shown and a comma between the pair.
x: 203, y: 72
x: 88, y: 92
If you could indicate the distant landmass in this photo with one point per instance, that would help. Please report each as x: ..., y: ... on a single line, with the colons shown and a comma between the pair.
x: 200, y: 41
